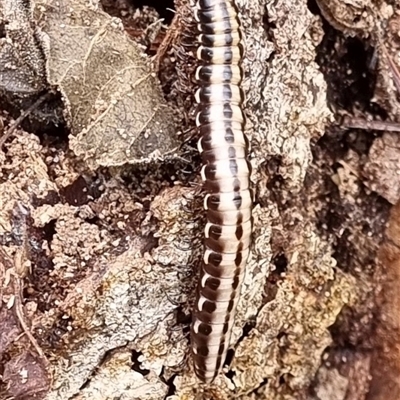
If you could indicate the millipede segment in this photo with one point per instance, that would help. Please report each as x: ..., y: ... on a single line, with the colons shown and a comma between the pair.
x: 226, y: 175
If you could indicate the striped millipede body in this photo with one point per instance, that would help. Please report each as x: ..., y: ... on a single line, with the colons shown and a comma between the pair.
x: 226, y: 175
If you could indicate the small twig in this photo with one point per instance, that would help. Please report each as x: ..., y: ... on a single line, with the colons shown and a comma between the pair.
x: 393, y: 69
x: 7, y: 276
x: 23, y: 115
x: 20, y: 315
x: 18, y: 260
x: 169, y: 38
x: 360, y: 123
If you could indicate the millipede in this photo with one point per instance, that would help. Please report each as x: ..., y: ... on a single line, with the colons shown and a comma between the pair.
x: 226, y: 170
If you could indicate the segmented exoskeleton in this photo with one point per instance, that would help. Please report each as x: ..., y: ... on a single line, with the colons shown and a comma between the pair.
x: 224, y: 150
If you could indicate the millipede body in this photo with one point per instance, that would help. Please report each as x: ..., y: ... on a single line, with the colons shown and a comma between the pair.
x: 226, y: 175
